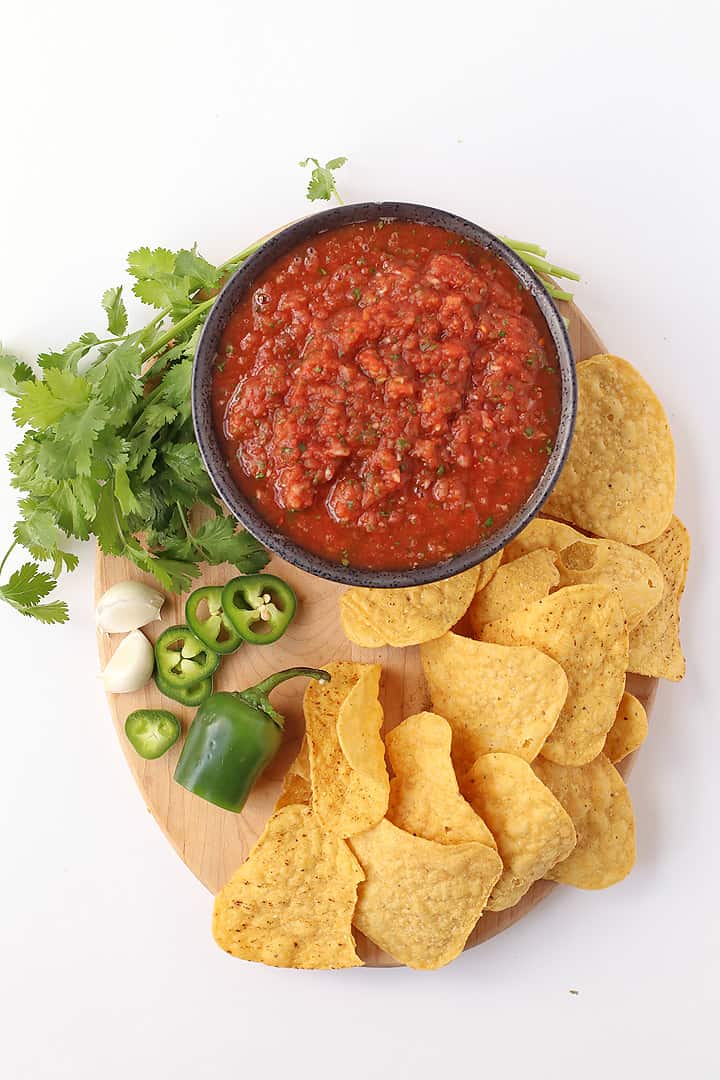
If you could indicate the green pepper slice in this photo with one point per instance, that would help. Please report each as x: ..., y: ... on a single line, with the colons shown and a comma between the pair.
x: 192, y: 695
x: 214, y: 628
x: 182, y: 658
x: 151, y: 732
x: 259, y: 606
x: 232, y: 739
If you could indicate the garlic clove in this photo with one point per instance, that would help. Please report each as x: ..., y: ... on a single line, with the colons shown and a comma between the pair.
x: 130, y: 666
x: 128, y: 605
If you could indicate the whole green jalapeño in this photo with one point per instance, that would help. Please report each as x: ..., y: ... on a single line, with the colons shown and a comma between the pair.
x: 233, y: 737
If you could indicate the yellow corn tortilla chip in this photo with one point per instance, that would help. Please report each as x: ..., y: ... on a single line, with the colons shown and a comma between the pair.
x: 296, y: 789
x: 595, y: 797
x: 488, y: 569
x: 655, y: 647
x: 619, y: 478
x: 291, y: 903
x: 636, y: 576
x: 532, y: 830
x: 629, y: 730
x: 424, y: 796
x: 376, y: 617
x: 541, y: 533
x: 515, y: 585
x: 421, y: 900
x: 493, y: 697
x: 583, y: 629
x: 350, y: 784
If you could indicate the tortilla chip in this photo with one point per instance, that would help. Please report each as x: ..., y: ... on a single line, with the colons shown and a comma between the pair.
x: 619, y: 478
x: 291, y: 903
x: 629, y: 730
x: 297, y: 789
x: 532, y: 830
x: 634, y: 574
x: 424, y: 796
x: 493, y: 697
x: 376, y: 617
x: 350, y: 784
x: 541, y: 533
x: 421, y: 900
x: 583, y: 629
x: 598, y: 802
x: 488, y: 569
x: 655, y: 647
x: 514, y: 586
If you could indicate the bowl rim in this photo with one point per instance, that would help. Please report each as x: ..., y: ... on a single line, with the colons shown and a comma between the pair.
x: 213, y: 454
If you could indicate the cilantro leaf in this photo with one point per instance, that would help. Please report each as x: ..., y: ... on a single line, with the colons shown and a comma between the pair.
x: 175, y: 388
x: 110, y: 451
x: 24, y: 373
x: 166, y: 279
x: 44, y: 402
x: 186, y: 466
x: 124, y: 493
x: 74, y: 506
x: 322, y: 181
x: 77, y: 433
x: 114, y: 306
x: 201, y: 273
x: 106, y: 524
x: 64, y: 560
x: 28, y: 585
x: 25, y: 589
x: 69, y: 358
x: 173, y: 574
x: 167, y: 291
x: 116, y: 378
x: 13, y: 374
x: 146, y: 263
x: 54, y: 612
x: 37, y: 531
x: 25, y: 465
x: 222, y: 542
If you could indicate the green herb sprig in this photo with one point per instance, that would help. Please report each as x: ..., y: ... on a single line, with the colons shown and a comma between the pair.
x: 109, y: 449
x: 322, y: 181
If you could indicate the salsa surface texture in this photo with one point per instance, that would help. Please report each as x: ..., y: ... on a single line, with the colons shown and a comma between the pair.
x: 386, y: 396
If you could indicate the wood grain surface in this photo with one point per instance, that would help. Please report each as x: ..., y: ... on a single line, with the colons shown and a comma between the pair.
x: 213, y: 842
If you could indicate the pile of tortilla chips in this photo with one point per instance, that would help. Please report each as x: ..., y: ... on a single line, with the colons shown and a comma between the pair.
x: 509, y: 777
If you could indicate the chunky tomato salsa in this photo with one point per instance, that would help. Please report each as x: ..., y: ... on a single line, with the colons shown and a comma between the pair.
x: 386, y: 395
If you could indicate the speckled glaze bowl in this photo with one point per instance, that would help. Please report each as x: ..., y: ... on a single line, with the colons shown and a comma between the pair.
x: 213, y: 454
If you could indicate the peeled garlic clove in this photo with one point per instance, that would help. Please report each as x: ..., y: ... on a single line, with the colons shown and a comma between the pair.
x: 130, y: 666
x: 128, y: 606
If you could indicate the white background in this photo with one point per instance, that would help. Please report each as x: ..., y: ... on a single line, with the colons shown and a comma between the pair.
x: 589, y: 128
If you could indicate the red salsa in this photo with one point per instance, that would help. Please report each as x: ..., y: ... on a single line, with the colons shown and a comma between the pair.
x: 386, y: 395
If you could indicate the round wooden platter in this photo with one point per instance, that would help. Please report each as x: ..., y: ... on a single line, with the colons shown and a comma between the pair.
x: 213, y: 842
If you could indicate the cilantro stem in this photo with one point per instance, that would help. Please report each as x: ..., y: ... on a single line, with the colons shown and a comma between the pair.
x: 178, y: 328
x: 523, y: 245
x: 555, y: 292
x: 7, y: 554
x: 546, y: 267
x: 188, y: 532
x: 246, y: 252
x: 118, y: 526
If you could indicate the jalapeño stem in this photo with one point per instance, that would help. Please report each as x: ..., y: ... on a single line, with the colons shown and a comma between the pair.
x: 257, y: 696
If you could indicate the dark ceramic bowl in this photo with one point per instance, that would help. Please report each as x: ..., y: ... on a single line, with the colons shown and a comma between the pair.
x: 212, y: 450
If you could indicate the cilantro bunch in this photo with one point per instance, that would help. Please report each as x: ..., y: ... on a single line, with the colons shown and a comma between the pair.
x: 109, y: 449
